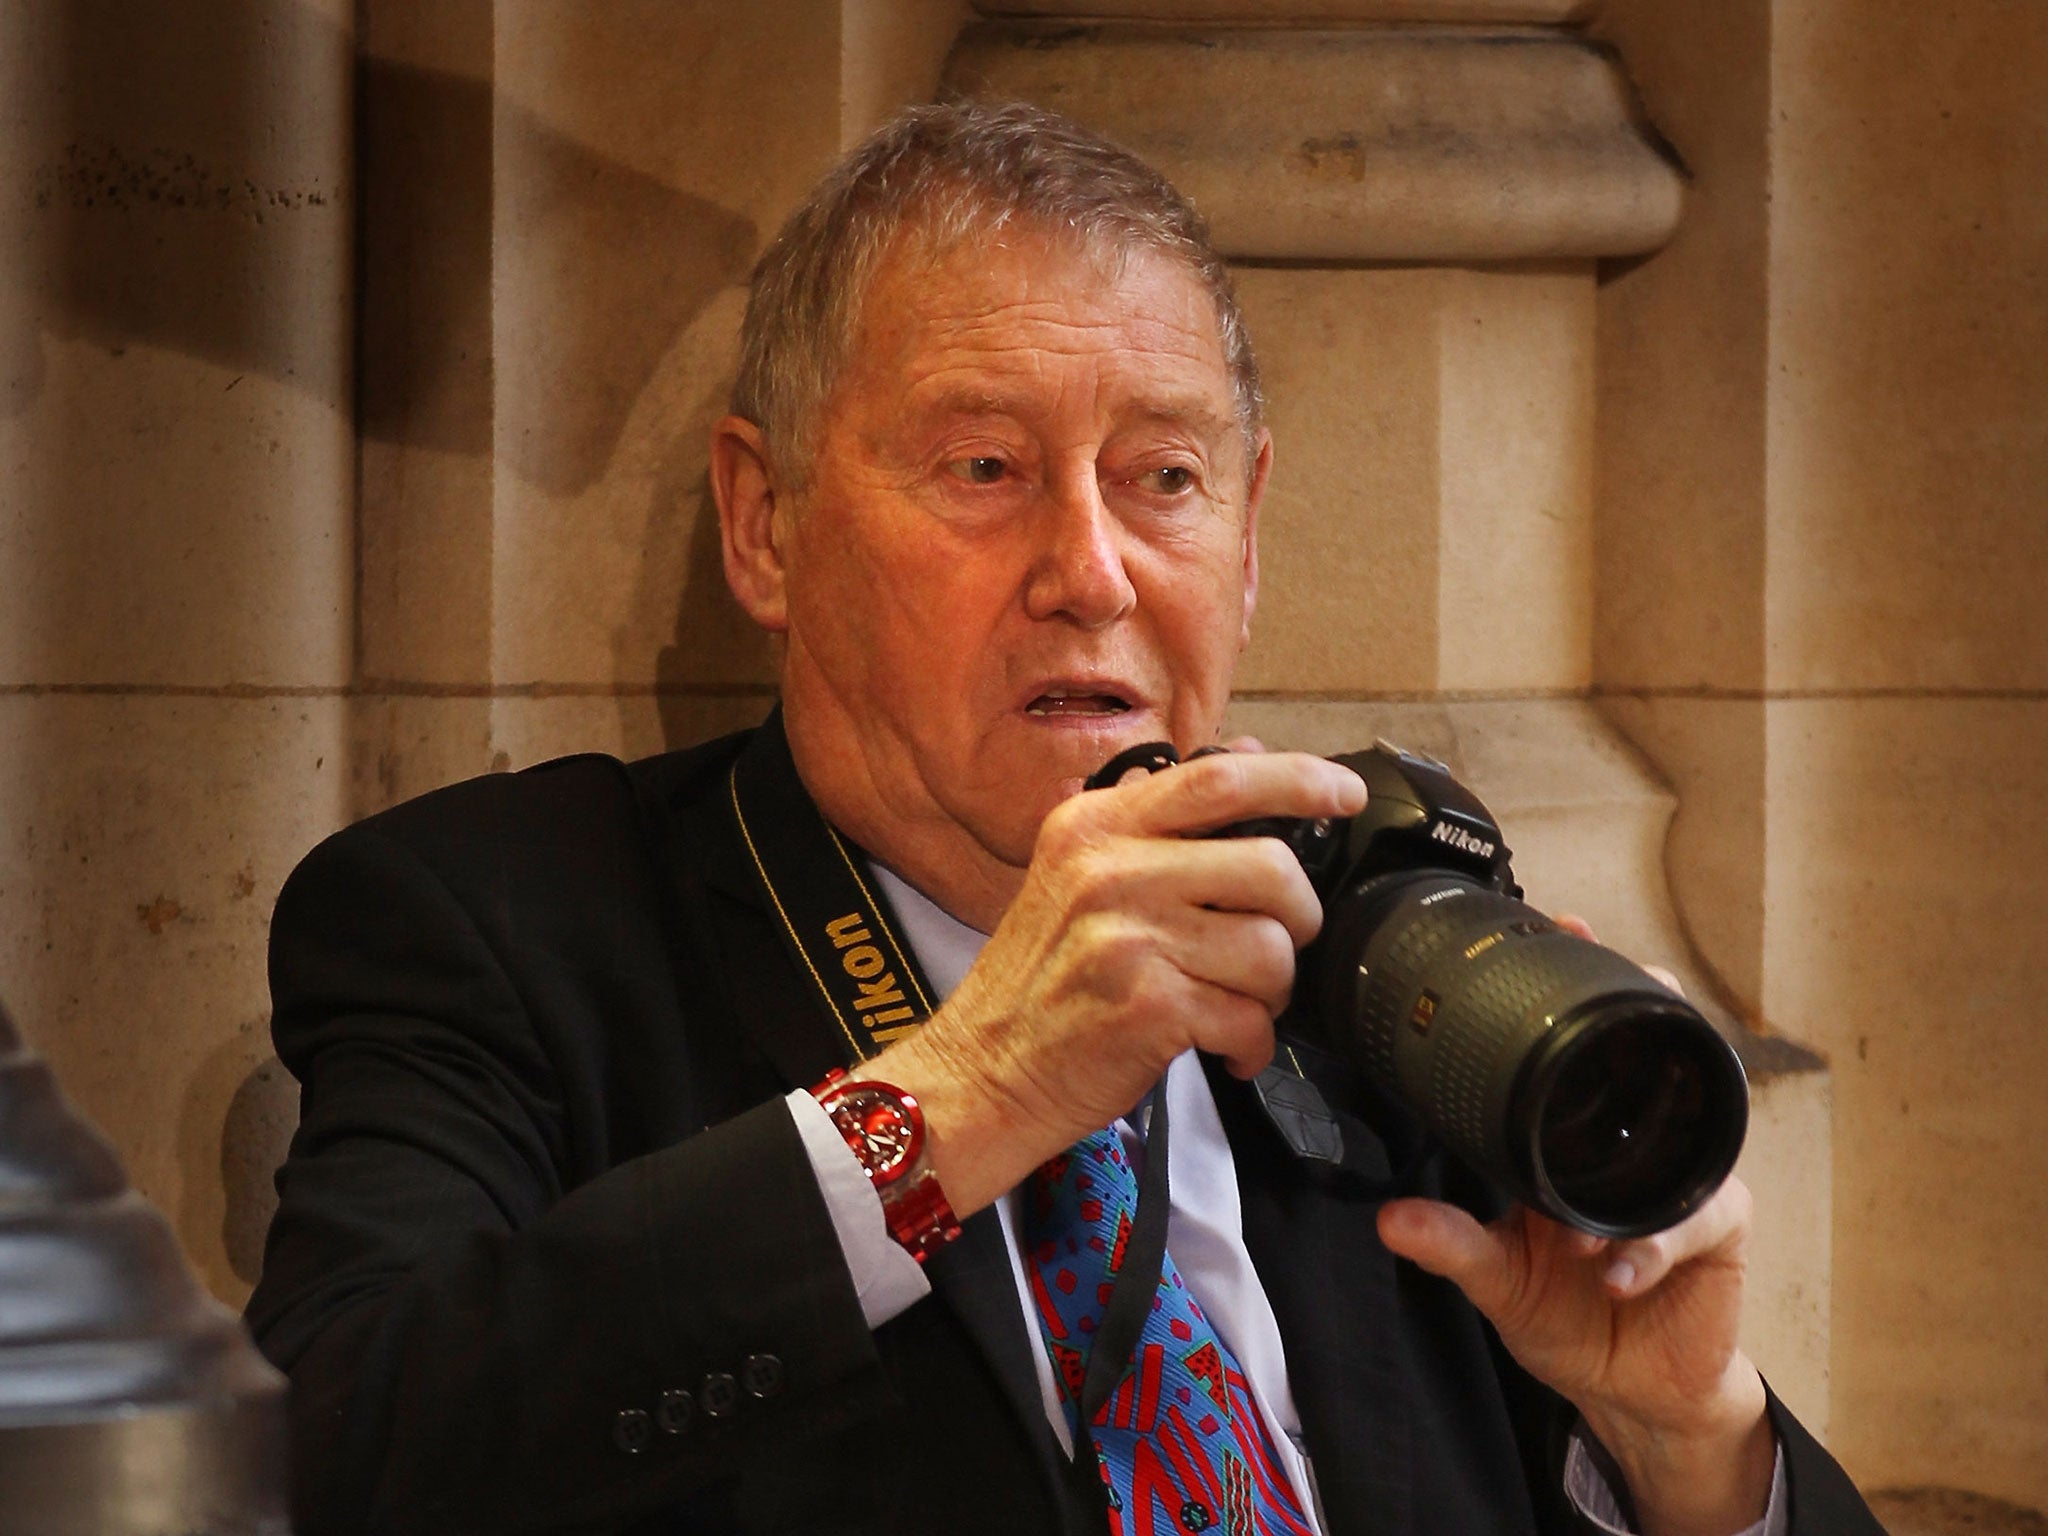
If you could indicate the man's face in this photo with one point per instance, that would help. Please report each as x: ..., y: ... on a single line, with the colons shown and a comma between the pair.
x: 1027, y: 543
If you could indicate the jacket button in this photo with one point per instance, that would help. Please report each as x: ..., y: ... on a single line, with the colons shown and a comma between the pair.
x: 632, y: 1430
x: 762, y: 1375
x: 674, y: 1411
x: 720, y: 1395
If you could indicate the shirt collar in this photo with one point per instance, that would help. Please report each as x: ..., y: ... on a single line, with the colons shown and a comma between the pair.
x: 945, y: 946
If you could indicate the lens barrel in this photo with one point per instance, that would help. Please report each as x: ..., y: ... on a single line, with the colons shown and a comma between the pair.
x: 1561, y: 1070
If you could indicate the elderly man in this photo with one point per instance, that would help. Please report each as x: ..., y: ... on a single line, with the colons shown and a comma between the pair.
x: 751, y: 1138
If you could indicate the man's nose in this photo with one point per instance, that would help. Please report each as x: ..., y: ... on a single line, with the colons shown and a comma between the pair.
x: 1078, y: 573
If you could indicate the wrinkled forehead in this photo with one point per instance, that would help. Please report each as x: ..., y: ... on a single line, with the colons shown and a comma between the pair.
x: 1036, y: 290
x: 934, y: 244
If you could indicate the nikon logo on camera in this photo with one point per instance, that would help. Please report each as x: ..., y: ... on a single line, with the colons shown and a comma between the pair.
x: 1461, y: 840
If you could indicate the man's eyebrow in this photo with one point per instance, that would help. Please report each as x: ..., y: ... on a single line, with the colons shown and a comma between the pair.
x: 1195, y: 412
x: 1192, y: 411
x: 971, y: 402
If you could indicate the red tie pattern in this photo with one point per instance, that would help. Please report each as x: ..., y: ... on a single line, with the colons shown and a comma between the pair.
x: 1180, y: 1444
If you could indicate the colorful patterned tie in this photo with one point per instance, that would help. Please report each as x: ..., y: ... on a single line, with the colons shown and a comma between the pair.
x: 1180, y: 1444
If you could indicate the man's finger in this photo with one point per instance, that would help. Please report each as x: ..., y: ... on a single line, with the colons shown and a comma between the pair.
x: 1642, y: 1264
x: 1210, y: 792
x: 1450, y: 1242
x: 1571, y: 922
x: 1248, y: 953
x: 1164, y: 878
x: 1665, y: 977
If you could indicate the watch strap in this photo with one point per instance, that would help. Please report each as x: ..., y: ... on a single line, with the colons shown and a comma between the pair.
x: 915, y: 1208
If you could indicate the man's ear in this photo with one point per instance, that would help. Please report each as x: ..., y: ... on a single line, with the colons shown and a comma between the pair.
x: 745, y: 491
x: 1255, y: 493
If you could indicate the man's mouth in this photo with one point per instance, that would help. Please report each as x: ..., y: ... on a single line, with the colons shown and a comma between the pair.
x: 1061, y: 703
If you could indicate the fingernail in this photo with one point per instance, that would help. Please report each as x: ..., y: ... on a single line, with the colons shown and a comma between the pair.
x: 1621, y: 1275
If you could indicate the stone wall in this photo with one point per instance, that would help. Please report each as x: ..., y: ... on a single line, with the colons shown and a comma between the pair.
x: 176, y: 558
x: 355, y: 361
x: 1821, y: 535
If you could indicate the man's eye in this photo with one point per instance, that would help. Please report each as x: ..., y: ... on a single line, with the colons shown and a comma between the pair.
x: 1169, y: 479
x: 981, y: 470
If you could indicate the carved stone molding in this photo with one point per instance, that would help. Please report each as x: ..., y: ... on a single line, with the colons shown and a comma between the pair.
x: 1267, y: 12
x: 1369, y: 144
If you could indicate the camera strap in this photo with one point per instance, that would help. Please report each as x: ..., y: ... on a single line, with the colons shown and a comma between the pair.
x: 837, y: 931
x: 835, y: 927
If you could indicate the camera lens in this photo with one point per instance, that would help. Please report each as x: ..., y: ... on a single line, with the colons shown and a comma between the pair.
x: 1631, y: 1127
x: 1561, y: 1070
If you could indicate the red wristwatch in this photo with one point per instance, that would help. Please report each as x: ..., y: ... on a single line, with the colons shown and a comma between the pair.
x: 885, y: 1129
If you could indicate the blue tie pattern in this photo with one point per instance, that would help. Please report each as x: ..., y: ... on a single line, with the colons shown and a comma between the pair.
x: 1180, y: 1444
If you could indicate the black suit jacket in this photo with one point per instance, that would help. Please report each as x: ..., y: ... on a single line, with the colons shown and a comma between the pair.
x: 549, y: 1255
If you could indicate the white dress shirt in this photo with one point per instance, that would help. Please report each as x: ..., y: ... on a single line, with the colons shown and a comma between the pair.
x: 1204, y: 1230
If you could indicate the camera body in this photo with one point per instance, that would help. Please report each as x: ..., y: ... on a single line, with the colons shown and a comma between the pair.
x: 1567, y: 1074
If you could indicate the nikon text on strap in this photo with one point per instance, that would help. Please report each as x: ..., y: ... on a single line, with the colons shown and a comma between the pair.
x: 835, y: 928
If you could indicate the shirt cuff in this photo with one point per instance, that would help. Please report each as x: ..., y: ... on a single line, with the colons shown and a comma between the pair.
x: 1590, y: 1487
x: 887, y: 1279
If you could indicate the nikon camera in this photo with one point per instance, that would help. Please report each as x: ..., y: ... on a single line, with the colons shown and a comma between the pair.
x: 1567, y: 1074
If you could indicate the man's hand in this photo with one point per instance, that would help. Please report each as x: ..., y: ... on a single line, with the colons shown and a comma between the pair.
x: 1639, y: 1335
x: 1130, y: 942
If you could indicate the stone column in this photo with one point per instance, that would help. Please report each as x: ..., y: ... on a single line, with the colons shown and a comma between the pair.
x: 564, y: 204
x: 175, y: 558
x: 1417, y: 197
x: 1822, y: 448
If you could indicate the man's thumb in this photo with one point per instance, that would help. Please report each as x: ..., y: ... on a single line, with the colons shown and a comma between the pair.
x: 1448, y: 1242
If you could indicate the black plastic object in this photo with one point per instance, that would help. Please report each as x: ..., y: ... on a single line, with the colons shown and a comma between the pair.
x: 1571, y: 1077
x: 131, y: 1403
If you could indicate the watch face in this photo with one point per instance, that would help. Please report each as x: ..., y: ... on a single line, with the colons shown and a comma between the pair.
x: 882, y: 1135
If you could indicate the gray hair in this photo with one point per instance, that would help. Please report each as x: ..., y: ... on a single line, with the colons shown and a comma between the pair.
x: 945, y: 173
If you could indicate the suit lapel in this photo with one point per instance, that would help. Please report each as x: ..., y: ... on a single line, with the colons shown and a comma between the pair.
x: 793, y: 1026
x: 1403, y: 1392
x: 1309, y: 1230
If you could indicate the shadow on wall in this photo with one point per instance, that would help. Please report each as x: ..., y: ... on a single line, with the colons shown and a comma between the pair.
x: 466, y: 196
x: 234, y: 1129
x: 152, y: 194
x: 711, y: 680
x: 156, y: 197
x: 179, y: 192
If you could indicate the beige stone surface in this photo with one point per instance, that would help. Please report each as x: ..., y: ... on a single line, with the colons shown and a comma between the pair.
x: 402, y: 745
x: 1348, y: 535
x: 1271, y: 11
x: 1819, y: 465
x: 1788, y: 1293
x: 889, y: 55
x: 658, y: 145
x: 1428, y: 523
x: 1852, y: 292
x: 425, y: 463
x: 1909, y: 231
x: 628, y: 726
x: 1712, y: 752
x: 142, y: 847
x: 1683, y: 368
x: 623, y: 580
x: 1390, y: 143
x: 570, y: 201
x: 1906, y: 899
x: 1515, y: 446
x: 1951, y: 1512
x: 174, y: 412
